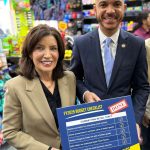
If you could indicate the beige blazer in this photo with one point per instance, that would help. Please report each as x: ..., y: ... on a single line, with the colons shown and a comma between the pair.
x: 147, y: 44
x: 28, y: 123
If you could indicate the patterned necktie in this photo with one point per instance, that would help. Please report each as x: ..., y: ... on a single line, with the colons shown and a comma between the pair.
x: 109, y: 61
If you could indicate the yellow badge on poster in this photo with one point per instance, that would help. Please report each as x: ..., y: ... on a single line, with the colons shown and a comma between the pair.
x: 134, y: 147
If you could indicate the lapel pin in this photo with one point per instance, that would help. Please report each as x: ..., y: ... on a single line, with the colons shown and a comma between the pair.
x: 123, y: 45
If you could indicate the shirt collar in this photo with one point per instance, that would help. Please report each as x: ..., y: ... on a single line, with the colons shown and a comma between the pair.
x: 103, y: 37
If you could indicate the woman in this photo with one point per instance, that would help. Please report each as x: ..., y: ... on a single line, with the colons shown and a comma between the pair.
x: 30, y: 120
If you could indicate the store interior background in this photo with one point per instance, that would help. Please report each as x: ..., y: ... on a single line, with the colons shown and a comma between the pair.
x: 70, y: 17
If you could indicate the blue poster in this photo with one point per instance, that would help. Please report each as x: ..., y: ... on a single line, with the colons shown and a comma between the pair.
x: 104, y: 125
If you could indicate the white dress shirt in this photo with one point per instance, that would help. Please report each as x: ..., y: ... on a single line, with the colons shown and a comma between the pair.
x: 113, y: 45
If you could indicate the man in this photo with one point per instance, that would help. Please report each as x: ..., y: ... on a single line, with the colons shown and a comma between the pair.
x: 143, y: 27
x: 129, y: 73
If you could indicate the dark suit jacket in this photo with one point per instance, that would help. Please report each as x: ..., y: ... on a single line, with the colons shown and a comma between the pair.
x: 129, y: 75
x: 28, y: 122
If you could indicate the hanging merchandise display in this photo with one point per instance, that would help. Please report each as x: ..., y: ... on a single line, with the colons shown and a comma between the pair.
x: 24, y: 19
x: 11, y: 45
x: 7, y: 45
x: 48, y: 9
x: 73, y: 17
x: 21, y: 5
x: 68, y: 11
x: 23, y: 16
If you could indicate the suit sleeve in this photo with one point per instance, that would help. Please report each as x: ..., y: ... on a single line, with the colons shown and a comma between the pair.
x: 140, y: 86
x: 77, y: 68
x: 12, y: 124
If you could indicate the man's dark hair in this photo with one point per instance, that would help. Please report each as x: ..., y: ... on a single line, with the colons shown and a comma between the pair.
x: 142, y: 16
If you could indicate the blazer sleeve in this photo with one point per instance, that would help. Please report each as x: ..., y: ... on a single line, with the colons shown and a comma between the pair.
x: 12, y: 124
x: 147, y: 44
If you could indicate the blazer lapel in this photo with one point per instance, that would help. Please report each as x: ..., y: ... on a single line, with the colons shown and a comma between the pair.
x: 64, y: 95
x: 120, y: 55
x: 95, y: 45
x: 37, y: 96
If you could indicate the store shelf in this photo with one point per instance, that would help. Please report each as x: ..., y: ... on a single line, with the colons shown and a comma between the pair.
x: 88, y: 6
x: 89, y: 20
x: 133, y: 3
x: 13, y: 59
